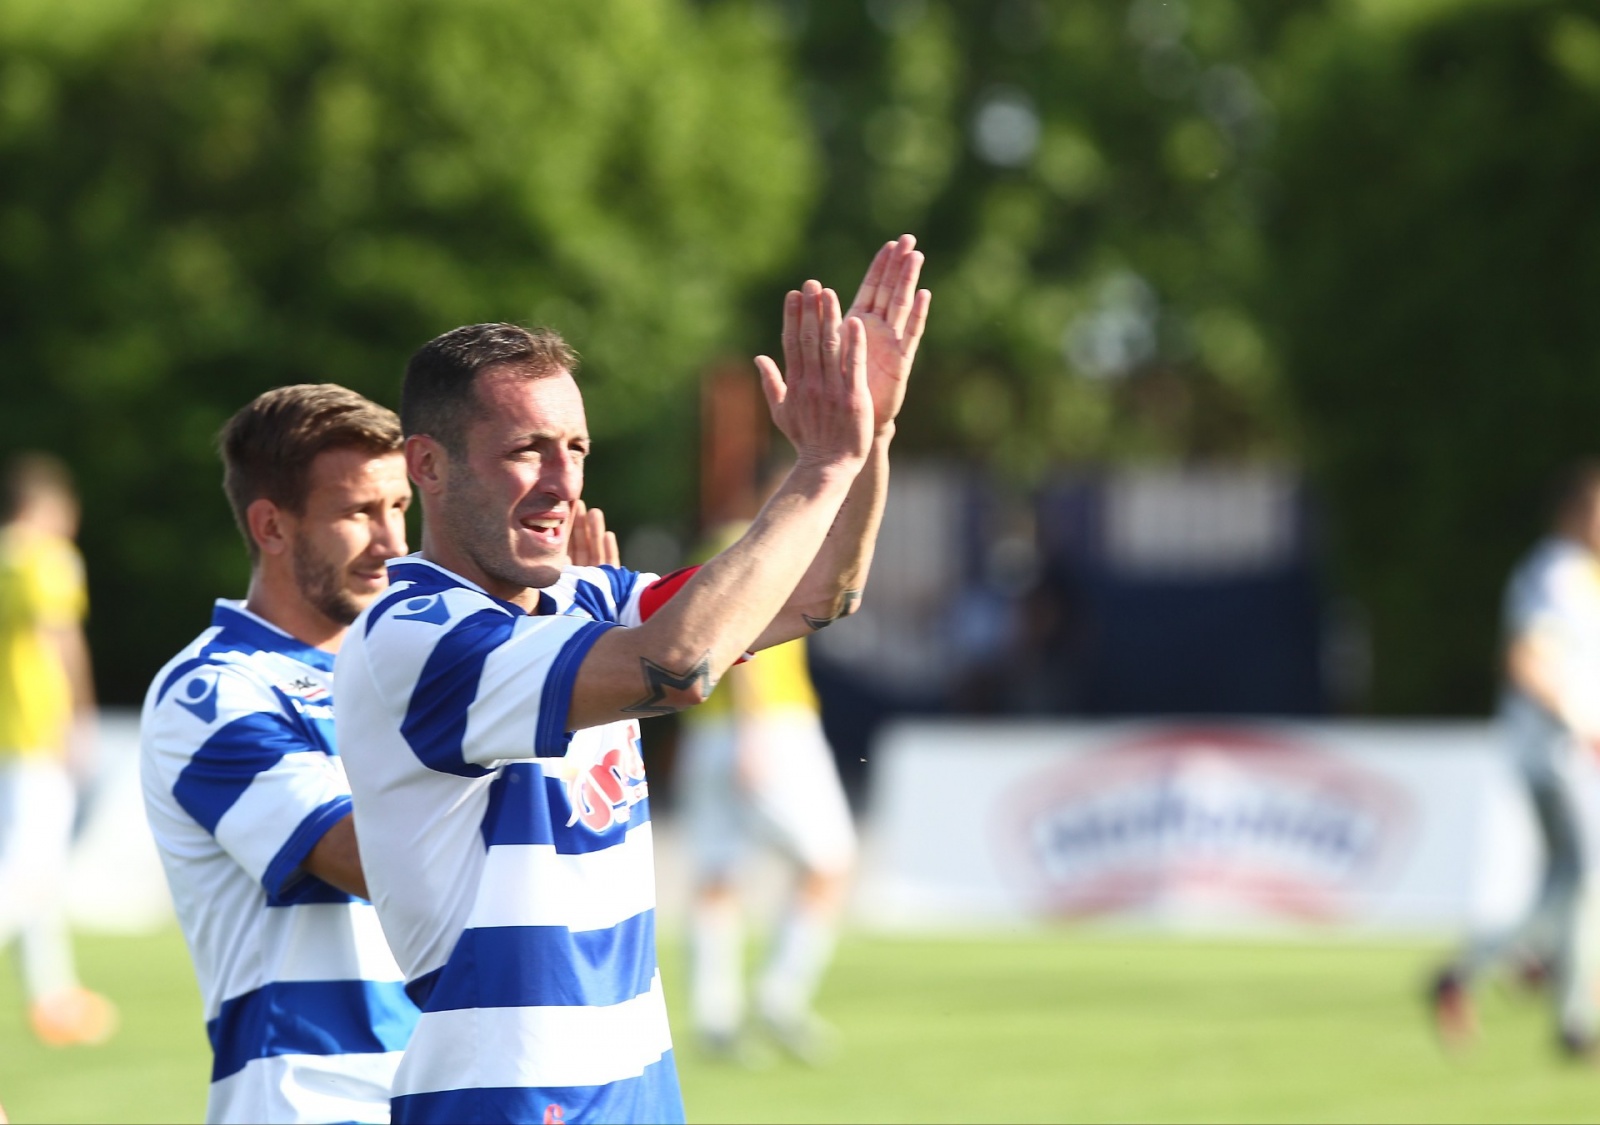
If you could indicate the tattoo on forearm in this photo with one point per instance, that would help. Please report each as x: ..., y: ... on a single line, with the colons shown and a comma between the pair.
x: 666, y: 689
x: 848, y: 601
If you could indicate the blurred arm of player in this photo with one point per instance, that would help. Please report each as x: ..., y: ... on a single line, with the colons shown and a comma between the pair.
x: 893, y: 312
x: 337, y: 859
x: 822, y: 404
x: 72, y: 650
x: 1533, y: 665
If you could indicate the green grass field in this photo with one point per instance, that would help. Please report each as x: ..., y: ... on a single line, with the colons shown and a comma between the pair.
x: 1057, y: 1027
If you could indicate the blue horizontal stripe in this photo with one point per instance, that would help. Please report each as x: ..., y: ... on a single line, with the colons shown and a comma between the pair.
x: 435, y: 725
x: 336, y: 1017
x: 227, y: 762
x: 545, y: 966
x: 653, y: 1096
x: 283, y: 888
x: 527, y: 807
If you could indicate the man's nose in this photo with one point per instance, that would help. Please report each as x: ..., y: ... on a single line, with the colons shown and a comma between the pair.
x: 563, y: 479
x: 390, y: 539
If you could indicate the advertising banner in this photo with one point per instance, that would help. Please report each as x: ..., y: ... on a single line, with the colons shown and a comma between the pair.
x: 1199, y: 825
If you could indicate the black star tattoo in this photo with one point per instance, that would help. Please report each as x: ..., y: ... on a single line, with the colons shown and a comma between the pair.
x: 848, y: 601
x: 666, y: 688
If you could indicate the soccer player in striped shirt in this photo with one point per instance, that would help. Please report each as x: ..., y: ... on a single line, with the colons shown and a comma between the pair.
x: 245, y: 793
x: 489, y: 702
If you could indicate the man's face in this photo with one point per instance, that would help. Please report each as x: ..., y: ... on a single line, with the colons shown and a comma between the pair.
x: 352, y: 525
x: 510, y: 494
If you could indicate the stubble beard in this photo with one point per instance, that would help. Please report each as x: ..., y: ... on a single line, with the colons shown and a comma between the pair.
x: 322, y: 584
x: 475, y: 528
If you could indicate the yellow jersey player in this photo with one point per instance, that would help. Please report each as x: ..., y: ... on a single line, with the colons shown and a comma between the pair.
x: 46, y: 697
x: 755, y: 766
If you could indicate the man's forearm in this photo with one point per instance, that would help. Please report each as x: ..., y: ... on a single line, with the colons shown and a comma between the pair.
x: 73, y: 652
x: 837, y: 577
x: 675, y: 659
x: 336, y: 859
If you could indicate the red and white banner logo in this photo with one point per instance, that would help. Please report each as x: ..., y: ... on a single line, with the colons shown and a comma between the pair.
x: 1224, y: 818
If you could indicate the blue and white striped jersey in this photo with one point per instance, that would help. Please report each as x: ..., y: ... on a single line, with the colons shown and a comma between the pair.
x: 305, y: 1006
x: 510, y: 861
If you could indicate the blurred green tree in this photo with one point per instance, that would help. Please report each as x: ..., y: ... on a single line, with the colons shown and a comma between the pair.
x: 1435, y: 268
x: 1085, y: 178
x: 206, y: 198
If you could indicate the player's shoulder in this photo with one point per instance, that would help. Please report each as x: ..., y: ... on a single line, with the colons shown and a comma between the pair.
x: 236, y: 666
x: 201, y: 692
x: 423, y: 600
x: 602, y: 592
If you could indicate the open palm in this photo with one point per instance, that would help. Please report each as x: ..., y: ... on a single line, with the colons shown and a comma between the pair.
x: 894, y: 312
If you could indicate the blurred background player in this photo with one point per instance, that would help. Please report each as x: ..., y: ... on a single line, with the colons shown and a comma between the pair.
x: 46, y: 716
x: 1551, y: 712
x: 755, y: 766
x: 246, y: 795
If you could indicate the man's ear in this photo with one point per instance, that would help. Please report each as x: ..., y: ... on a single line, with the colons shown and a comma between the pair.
x: 269, y: 527
x: 427, y: 464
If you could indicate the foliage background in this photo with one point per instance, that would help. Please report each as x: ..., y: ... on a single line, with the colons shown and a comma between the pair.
x: 1353, y: 235
x: 204, y: 200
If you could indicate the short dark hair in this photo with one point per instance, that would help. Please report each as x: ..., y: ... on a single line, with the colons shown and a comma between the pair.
x: 268, y: 446
x: 31, y: 475
x: 437, y: 397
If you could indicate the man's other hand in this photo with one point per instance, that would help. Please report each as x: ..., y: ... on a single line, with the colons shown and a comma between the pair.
x: 894, y: 313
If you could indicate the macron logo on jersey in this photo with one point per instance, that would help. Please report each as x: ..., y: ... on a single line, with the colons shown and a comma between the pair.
x: 431, y: 608
x: 199, y: 696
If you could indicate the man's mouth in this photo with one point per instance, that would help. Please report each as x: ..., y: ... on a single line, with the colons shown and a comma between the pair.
x: 548, y: 529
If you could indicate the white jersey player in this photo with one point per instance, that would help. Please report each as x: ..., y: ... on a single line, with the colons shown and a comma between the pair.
x: 488, y: 705
x: 1550, y: 711
x: 305, y: 1007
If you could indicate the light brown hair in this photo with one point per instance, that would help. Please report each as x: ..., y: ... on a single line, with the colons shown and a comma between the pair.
x: 268, y: 446
x: 29, y: 476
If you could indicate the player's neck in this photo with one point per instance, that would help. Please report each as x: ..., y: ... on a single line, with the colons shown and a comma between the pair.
x: 460, y: 563
x: 278, y: 601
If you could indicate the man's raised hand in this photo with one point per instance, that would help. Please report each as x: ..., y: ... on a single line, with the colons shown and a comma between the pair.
x: 821, y: 400
x: 588, y: 541
x: 893, y: 312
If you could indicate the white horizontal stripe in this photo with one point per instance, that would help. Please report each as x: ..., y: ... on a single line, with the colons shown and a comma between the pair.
x: 306, y: 1088
x: 533, y: 885
x: 329, y: 941
x: 265, y: 815
x: 554, y: 1046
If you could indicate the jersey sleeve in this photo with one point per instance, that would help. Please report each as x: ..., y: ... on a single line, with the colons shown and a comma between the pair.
x: 236, y: 763
x: 475, y: 685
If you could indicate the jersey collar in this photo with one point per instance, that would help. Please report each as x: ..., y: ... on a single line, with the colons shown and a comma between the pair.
x: 236, y: 621
x: 430, y: 575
